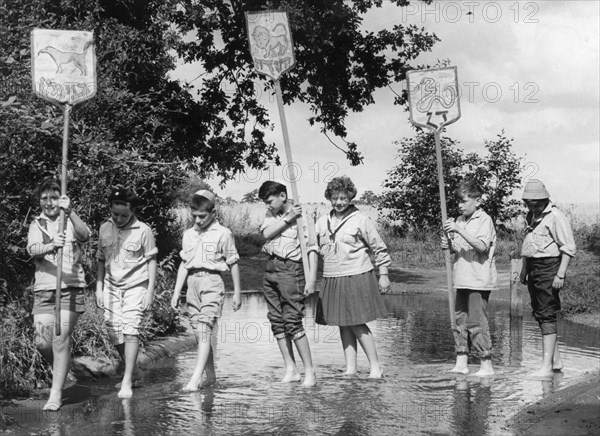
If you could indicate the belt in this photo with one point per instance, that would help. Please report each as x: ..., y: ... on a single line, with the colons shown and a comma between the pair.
x: 283, y: 259
x: 201, y: 272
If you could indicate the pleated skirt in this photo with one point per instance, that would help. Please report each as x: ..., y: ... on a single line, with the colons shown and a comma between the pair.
x: 350, y: 300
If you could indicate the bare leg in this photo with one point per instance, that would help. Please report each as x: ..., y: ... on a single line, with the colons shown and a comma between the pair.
x: 57, y: 350
x: 203, y: 334
x: 461, y: 364
x: 129, y: 352
x: 349, y: 345
x: 209, y: 370
x: 367, y: 342
x: 287, y: 352
x: 557, y: 363
x: 310, y: 378
x: 548, y: 348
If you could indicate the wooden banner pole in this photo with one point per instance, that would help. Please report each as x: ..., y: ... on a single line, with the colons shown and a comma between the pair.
x: 62, y: 222
x: 292, y: 174
x: 447, y: 254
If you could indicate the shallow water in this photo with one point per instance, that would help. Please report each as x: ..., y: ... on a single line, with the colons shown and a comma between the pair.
x: 416, y: 396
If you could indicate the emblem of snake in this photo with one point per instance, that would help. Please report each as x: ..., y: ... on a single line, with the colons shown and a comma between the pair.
x: 273, y: 46
x: 432, y: 94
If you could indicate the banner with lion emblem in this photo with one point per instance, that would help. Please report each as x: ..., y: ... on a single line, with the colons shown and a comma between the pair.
x: 433, y: 97
x: 63, y: 65
x: 270, y: 42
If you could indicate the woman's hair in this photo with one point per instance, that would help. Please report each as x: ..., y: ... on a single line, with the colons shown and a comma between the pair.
x: 48, y: 184
x: 340, y: 184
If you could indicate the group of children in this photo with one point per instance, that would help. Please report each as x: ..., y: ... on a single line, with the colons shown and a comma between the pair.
x: 345, y: 238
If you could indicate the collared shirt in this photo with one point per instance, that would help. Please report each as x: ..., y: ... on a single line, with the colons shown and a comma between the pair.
x: 43, y: 231
x: 472, y: 269
x: 126, y: 252
x: 212, y: 248
x: 286, y: 244
x: 346, y: 246
x: 549, y: 235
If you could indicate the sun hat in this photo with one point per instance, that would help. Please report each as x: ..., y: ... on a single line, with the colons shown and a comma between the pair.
x: 535, y: 190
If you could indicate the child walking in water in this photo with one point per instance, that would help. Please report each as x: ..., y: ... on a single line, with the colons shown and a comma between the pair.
x: 351, y: 293
x: 284, y: 285
x: 547, y: 250
x: 207, y: 251
x: 473, y: 243
x: 43, y: 241
x: 125, y: 278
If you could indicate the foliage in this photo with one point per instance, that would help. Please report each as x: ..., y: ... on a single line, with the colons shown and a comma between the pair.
x: 368, y: 198
x: 251, y: 197
x: 412, y: 191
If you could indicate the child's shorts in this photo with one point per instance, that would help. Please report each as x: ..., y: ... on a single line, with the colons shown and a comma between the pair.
x: 123, y: 310
x: 205, y: 295
x: 71, y: 299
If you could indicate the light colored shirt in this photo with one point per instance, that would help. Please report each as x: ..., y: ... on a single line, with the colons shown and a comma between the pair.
x: 126, y: 252
x: 473, y: 269
x: 346, y: 246
x: 287, y: 244
x: 549, y: 236
x: 43, y: 231
x: 212, y: 248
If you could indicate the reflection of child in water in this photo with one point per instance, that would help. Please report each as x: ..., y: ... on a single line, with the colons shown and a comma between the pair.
x: 473, y: 245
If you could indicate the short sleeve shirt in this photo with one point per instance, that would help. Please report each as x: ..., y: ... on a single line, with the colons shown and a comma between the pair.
x: 287, y: 244
x: 42, y: 230
x: 126, y: 252
x: 549, y: 236
x: 212, y: 248
x: 472, y: 269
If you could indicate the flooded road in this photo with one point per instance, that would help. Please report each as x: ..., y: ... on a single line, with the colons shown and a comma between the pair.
x: 416, y: 396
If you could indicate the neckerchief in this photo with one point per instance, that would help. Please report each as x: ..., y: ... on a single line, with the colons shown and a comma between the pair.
x: 352, y: 208
x: 531, y: 223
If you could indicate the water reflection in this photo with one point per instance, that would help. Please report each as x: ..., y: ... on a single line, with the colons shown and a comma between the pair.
x: 416, y: 396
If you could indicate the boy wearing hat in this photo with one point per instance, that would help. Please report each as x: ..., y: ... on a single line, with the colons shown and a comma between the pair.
x: 547, y: 249
x: 208, y: 250
x: 125, y: 279
x: 284, y: 285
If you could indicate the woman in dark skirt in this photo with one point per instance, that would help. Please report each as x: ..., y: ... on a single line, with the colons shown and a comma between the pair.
x: 351, y: 295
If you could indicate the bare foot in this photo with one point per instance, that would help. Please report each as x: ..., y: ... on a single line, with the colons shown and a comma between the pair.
x: 459, y: 369
x: 351, y: 372
x: 542, y: 373
x: 54, y: 402
x: 125, y: 392
x: 192, y: 386
x: 485, y: 369
x: 557, y: 366
x: 376, y: 373
x: 135, y: 376
x: 310, y: 379
x: 291, y: 376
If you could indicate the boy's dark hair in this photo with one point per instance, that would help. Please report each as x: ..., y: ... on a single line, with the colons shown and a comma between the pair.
x: 269, y: 188
x: 201, y: 203
x: 124, y: 196
x: 48, y: 184
x: 470, y: 188
x: 341, y: 184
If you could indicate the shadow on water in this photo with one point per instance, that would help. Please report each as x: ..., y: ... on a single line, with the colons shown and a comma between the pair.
x: 416, y: 396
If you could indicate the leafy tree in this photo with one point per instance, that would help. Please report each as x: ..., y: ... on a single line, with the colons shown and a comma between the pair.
x: 146, y: 130
x: 251, y: 197
x: 412, y: 192
x: 369, y: 198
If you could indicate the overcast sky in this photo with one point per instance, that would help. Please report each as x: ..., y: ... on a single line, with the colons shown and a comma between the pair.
x: 530, y: 68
